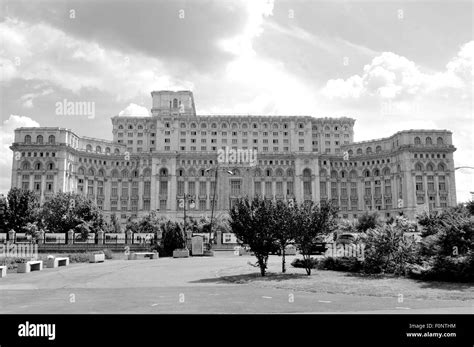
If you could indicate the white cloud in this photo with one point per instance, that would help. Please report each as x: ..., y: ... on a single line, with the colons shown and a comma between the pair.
x: 27, y: 99
x: 134, y: 110
x: 58, y: 59
x: 6, y: 139
x: 390, y: 76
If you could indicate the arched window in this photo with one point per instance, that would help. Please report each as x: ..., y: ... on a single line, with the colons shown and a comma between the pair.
x: 101, y: 173
x: 163, y: 172
x: 245, y: 126
x: 376, y: 172
x: 27, y: 139
x: 147, y: 173
x: 140, y: 127
x: 323, y: 173
x: 418, y: 167
x: 343, y: 174
x: 193, y: 125
x: 386, y: 171
x: 25, y: 166
x: 279, y: 172
x: 441, y: 167
x: 175, y: 103
x: 439, y: 141
x: 98, y: 149
x: 306, y: 173
x: 88, y: 148
x: 353, y: 174
x: 203, y: 125
x: 333, y: 174
x: 351, y: 152
x: 428, y: 141
x: 359, y: 150
x: 130, y: 127
x: 429, y: 167
x: 37, y: 166
x: 51, y: 139
x: 224, y: 126
x: 115, y: 173
x: 268, y: 172
x: 120, y: 126
x: 258, y: 173
x: 417, y: 141
x: 80, y: 171
x: 107, y: 150
x: 213, y: 125
x: 191, y: 172
x: 275, y: 125
x: 117, y: 151
x: 50, y: 166
x: 135, y: 173
x: 39, y: 139
x: 289, y: 173
x: 125, y: 174
x: 236, y: 172
x: 366, y: 173
x: 234, y: 126
x: 182, y: 125
x: 368, y: 150
x: 91, y: 172
x: 378, y: 149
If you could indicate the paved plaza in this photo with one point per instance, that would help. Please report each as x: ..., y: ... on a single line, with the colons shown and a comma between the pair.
x: 194, y: 285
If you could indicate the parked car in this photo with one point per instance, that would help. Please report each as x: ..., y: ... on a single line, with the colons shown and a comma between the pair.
x: 347, y: 238
x: 289, y: 250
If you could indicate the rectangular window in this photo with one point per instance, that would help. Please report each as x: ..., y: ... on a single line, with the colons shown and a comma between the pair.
x: 125, y: 189
x: 147, y: 188
x: 180, y: 187
x: 202, y: 205
x: 258, y: 188
x: 235, y: 187
x: 268, y: 189
x: 289, y: 187
x: 146, y: 205
x: 164, y: 188
x: 191, y: 188
x: 114, y: 188
x: 202, y: 188
x: 163, y: 205
x: 307, y: 188
x: 279, y: 188
x: 323, y: 189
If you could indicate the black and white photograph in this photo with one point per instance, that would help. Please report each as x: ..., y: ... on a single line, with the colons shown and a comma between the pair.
x: 214, y: 165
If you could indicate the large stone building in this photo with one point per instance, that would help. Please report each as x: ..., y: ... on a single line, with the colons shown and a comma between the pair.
x: 153, y: 161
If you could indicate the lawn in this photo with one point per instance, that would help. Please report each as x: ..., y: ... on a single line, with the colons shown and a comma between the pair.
x: 335, y: 282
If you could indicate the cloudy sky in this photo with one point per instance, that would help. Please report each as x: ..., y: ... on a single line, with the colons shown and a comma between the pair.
x: 391, y: 65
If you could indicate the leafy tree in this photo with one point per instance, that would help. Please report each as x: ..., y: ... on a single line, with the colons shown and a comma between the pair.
x: 388, y: 251
x: 470, y: 207
x: 23, y: 208
x: 133, y: 225
x: 65, y: 211
x: 151, y: 224
x: 250, y: 221
x: 172, y: 237
x: 283, y: 228
x: 113, y: 226
x: 312, y: 221
x: 368, y: 221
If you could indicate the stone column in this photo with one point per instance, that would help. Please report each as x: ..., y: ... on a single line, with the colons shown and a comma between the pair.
x: 100, y: 237
x: 70, y: 237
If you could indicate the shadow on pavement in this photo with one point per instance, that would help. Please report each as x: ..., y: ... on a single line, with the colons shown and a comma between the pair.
x: 250, y: 277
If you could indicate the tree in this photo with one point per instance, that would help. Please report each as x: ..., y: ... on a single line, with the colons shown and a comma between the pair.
x: 172, y: 237
x: 250, y: 221
x: 283, y: 228
x: 65, y: 211
x: 22, y: 208
x: 470, y: 207
x: 368, y: 221
x: 312, y: 221
x: 114, y: 225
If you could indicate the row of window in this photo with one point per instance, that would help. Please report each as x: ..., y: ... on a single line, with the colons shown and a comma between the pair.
x: 40, y: 139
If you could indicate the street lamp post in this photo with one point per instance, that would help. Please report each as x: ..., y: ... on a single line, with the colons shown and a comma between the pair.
x: 185, y: 199
x: 216, y: 169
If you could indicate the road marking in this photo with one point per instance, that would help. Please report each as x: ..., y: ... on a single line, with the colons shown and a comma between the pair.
x: 325, y: 301
x: 266, y: 297
x: 154, y: 304
x: 402, y: 308
x: 214, y: 294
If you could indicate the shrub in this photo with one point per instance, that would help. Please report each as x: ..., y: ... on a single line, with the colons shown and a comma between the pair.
x: 300, y: 263
x: 350, y: 264
x: 387, y: 251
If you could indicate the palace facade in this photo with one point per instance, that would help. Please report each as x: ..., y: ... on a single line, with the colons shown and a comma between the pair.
x: 152, y: 162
